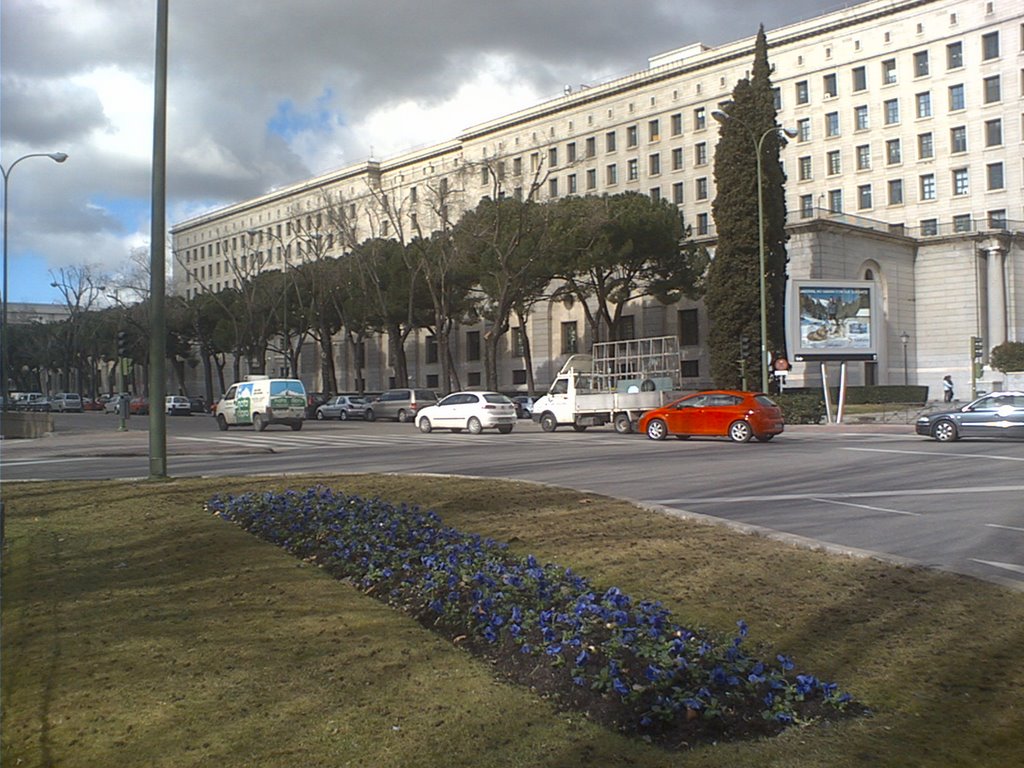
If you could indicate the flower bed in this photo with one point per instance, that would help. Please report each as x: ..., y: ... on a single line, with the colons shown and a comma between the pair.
x: 622, y: 661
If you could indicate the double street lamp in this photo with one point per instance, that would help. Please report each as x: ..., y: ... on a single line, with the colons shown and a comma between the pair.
x: 723, y: 117
x: 57, y: 157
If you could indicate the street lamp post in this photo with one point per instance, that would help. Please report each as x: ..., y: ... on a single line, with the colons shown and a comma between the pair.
x: 57, y: 157
x: 722, y: 116
x: 905, y: 339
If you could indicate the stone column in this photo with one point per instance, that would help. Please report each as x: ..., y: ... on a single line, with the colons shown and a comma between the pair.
x: 996, y: 330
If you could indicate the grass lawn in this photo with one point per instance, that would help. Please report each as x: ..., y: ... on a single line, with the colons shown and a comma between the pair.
x: 140, y: 631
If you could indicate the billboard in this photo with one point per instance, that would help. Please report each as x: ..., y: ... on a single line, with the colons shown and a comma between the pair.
x: 832, y: 320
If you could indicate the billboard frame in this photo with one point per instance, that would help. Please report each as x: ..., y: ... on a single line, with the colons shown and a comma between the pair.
x: 833, y: 320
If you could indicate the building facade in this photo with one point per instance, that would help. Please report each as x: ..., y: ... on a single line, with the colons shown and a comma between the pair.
x: 907, y: 170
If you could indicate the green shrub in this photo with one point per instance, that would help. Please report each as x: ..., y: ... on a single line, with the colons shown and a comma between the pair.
x: 801, y: 407
x: 878, y: 394
x: 1008, y: 356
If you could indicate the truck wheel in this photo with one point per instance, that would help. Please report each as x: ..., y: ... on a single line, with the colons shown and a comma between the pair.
x: 548, y: 422
x: 296, y: 426
x: 740, y: 432
x: 258, y: 423
x: 474, y: 426
x: 222, y: 423
x: 623, y: 425
x: 657, y: 429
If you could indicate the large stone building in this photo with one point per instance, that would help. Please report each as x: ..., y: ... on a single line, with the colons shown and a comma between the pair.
x: 906, y: 171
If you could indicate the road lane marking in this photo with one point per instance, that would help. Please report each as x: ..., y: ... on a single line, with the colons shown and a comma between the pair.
x: 986, y: 457
x: 6, y: 463
x: 1004, y: 527
x: 996, y: 564
x: 864, y: 506
x: 774, y: 497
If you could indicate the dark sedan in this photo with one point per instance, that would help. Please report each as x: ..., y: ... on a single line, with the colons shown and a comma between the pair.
x: 998, y: 414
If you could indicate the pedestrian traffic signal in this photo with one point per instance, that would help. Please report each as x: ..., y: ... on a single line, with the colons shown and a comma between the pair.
x: 978, y: 347
x: 744, y: 347
x: 122, y: 343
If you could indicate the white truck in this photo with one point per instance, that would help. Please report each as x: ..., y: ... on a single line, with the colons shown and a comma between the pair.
x: 614, y: 384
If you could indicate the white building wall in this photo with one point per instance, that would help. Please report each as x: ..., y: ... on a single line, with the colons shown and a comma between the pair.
x: 677, y: 93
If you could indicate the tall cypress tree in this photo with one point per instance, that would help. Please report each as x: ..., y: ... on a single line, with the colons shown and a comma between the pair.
x: 733, y: 288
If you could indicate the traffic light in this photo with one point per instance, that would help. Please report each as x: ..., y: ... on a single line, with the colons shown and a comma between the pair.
x: 744, y: 347
x: 978, y: 347
x: 122, y: 343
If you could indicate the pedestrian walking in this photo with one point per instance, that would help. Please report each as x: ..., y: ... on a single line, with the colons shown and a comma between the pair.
x: 947, y: 388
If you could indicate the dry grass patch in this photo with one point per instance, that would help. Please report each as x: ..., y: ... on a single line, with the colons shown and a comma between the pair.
x: 137, y: 630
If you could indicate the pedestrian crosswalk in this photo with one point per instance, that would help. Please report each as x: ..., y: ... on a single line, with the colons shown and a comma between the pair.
x: 283, y: 441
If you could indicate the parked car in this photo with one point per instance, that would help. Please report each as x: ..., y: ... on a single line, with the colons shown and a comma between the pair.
x: 66, y: 401
x: 30, y: 401
x: 997, y: 414
x: 88, y: 404
x: 524, y: 406
x: 720, y: 413
x: 176, y: 405
x: 197, y: 404
x: 139, y: 406
x: 472, y: 411
x: 342, y: 407
x: 313, y: 401
x: 400, y: 404
x: 111, y: 404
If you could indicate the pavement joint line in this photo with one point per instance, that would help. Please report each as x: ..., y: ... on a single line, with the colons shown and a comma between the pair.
x: 846, y: 495
x: 865, y: 506
x: 986, y: 457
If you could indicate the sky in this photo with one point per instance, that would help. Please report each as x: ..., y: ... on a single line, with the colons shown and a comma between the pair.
x: 265, y: 93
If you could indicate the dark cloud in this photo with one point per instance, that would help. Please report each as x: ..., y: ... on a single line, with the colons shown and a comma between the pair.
x: 233, y: 65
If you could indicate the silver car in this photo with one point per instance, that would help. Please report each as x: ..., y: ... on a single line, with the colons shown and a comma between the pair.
x: 66, y: 401
x: 998, y: 414
x: 400, y: 404
x: 342, y: 407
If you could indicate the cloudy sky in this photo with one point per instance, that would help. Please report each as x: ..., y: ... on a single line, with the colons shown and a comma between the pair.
x: 263, y: 93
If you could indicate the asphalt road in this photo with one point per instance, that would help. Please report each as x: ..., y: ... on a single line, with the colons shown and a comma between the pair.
x: 875, y: 489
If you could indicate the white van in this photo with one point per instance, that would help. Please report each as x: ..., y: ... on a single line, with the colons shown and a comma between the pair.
x: 262, y: 401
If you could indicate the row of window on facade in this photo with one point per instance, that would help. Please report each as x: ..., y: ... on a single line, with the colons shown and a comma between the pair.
x: 957, y: 101
x: 921, y: 67
x: 570, y: 344
x: 991, y: 90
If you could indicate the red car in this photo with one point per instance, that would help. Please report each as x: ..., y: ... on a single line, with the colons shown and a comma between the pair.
x: 719, y: 413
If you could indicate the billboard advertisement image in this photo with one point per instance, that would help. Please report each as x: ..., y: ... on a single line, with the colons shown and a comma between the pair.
x: 832, y: 320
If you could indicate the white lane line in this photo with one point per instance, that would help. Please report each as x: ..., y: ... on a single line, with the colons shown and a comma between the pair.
x: 29, y: 462
x: 986, y: 457
x: 996, y: 564
x: 773, y: 497
x: 1004, y: 527
x: 864, y: 506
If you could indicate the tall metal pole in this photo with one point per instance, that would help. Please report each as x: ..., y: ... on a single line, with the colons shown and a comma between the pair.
x: 157, y: 280
x: 57, y: 157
